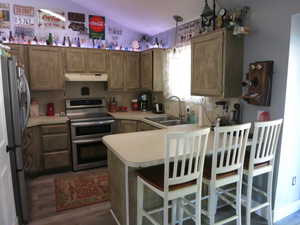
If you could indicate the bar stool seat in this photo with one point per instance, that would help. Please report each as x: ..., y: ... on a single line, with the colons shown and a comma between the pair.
x: 208, y: 167
x: 257, y: 165
x: 181, y: 175
x: 155, y: 176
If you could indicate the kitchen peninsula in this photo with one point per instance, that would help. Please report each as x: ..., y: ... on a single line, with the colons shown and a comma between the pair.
x: 129, y: 152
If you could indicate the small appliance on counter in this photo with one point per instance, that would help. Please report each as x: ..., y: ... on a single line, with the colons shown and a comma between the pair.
x: 145, y: 101
x: 158, y: 108
x: 50, y: 109
x: 112, y: 105
x: 134, y: 105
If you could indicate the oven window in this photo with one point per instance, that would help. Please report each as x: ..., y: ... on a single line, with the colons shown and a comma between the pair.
x: 91, y: 152
x: 90, y: 130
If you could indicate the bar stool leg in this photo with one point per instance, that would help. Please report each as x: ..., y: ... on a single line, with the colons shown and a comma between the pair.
x: 198, y: 208
x: 174, y: 211
x: 269, y: 193
x: 212, y: 204
x: 140, y: 200
x: 238, y: 201
x: 166, y: 211
x: 180, y: 211
x: 249, y: 200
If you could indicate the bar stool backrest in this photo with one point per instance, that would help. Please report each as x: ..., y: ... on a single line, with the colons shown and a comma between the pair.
x: 184, y: 158
x: 265, y: 141
x: 229, y: 148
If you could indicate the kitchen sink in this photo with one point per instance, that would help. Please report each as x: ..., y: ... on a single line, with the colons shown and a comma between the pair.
x: 166, y: 120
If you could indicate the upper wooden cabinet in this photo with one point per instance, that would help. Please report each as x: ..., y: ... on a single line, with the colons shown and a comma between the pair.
x: 96, y: 60
x: 85, y: 60
x: 19, y: 52
x: 45, y: 68
x: 117, y: 69
x: 132, y: 71
x: 75, y: 60
x: 217, y: 64
x: 152, y: 69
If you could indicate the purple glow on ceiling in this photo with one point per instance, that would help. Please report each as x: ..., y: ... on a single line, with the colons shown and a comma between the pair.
x: 147, y: 17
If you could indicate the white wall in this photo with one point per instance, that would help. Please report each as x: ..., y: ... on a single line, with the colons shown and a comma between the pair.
x: 125, y: 39
x: 289, y: 160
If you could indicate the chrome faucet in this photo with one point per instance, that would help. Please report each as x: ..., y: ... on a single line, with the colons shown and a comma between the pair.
x: 181, y: 115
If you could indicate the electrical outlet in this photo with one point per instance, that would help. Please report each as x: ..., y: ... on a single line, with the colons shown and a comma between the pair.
x: 294, y: 181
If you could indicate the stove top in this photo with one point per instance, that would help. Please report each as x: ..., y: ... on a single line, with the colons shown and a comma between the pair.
x: 89, y: 117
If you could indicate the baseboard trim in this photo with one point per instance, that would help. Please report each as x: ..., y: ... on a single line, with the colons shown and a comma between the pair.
x: 281, y: 213
x: 114, y: 216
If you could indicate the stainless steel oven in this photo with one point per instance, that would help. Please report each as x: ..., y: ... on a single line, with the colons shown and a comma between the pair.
x: 91, y: 129
x: 89, y: 123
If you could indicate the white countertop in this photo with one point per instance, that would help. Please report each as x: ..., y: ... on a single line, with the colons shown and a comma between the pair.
x: 144, y: 149
x: 46, y: 120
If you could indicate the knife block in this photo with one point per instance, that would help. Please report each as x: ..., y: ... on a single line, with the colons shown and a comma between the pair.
x: 259, y: 83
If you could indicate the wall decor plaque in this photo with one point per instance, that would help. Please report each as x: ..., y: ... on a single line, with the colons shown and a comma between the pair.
x: 97, y: 27
x: 4, y: 16
x: 52, y: 19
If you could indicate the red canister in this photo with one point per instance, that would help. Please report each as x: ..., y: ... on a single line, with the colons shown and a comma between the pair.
x: 134, y: 105
x: 50, y: 109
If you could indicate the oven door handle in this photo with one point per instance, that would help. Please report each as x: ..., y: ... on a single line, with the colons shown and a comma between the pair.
x: 87, y: 141
x: 83, y: 124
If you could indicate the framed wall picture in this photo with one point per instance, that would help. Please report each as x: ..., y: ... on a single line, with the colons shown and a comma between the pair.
x: 97, y: 27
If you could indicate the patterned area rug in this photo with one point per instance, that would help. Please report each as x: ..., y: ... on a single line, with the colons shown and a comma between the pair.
x: 75, y: 191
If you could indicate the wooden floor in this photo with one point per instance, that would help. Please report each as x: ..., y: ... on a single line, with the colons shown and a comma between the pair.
x: 43, y: 206
x: 43, y: 209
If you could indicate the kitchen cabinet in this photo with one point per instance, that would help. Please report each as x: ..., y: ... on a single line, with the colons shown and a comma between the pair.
x: 56, y: 146
x: 32, y: 151
x: 78, y: 60
x: 45, y: 68
x: 217, y: 64
x: 146, y: 127
x: 19, y: 52
x: 116, y: 73
x: 127, y: 126
x: 75, y: 60
x: 132, y: 71
x: 152, y: 69
x: 97, y: 60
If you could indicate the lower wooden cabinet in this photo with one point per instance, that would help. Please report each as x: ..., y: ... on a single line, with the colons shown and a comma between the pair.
x: 32, y: 156
x: 57, y: 160
x: 46, y: 148
x: 129, y: 126
x: 56, y: 146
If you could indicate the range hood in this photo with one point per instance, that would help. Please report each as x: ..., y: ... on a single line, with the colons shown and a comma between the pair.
x: 86, y: 77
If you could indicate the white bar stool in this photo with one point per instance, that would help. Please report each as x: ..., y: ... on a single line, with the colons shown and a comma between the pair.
x: 226, y: 167
x: 260, y: 160
x: 180, y: 175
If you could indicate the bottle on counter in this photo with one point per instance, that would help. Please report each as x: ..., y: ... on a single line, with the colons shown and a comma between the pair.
x: 50, y: 39
x: 11, y: 38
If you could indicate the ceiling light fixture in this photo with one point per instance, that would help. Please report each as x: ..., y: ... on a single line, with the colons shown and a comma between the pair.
x: 54, y: 14
x: 177, y: 19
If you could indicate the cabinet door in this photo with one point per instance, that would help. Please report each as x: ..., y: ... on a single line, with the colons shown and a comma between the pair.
x: 147, y: 70
x: 96, y: 61
x: 19, y: 52
x: 207, y: 64
x: 127, y: 126
x: 132, y: 71
x: 75, y: 60
x: 116, y: 76
x: 45, y: 68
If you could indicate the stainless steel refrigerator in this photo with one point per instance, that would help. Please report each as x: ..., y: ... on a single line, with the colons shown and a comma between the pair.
x: 17, y: 108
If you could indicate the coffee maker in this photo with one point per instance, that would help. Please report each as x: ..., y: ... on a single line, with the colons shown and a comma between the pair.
x: 145, y: 101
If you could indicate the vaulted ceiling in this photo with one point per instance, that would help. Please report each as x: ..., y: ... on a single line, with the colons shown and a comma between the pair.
x: 145, y: 16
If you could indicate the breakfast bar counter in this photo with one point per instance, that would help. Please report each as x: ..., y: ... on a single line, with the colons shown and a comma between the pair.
x: 126, y: 154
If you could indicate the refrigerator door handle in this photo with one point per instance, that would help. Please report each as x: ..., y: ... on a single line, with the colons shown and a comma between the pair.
x: 28, y: 99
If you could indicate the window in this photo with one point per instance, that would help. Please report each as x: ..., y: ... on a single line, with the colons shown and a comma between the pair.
x: 178, y: 74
